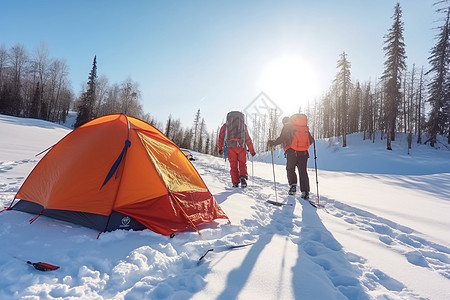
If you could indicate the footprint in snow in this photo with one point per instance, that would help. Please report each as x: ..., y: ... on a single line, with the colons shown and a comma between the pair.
x: 416, y: 250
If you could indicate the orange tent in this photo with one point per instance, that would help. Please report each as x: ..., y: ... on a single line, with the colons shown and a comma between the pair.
x: 118, y: 172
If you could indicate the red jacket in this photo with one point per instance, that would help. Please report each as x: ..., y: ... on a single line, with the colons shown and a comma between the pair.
x: 248, y: 140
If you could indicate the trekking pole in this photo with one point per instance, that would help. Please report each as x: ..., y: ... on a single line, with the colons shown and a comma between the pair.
x: 252, y: 171
x: 273, y: 169
x: 317, y: 178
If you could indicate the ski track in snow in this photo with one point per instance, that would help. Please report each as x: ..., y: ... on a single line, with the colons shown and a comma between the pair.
x: 318, y: 244
x: 9, y: 165
x: 8, y: 190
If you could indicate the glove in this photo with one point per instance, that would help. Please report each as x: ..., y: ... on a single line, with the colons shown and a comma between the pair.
x: 220, y: 152
x: 253, y: 153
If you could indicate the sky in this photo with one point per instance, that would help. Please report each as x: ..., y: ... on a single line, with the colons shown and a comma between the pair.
x: 217, y: 56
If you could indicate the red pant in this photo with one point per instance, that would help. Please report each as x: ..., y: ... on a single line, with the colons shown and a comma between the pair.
x: 238, y: 163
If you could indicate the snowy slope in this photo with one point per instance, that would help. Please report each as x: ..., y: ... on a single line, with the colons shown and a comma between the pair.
x: 383, y: 234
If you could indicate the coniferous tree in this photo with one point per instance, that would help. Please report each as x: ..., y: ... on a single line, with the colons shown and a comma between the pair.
x: 439, y: 86
x: 87, y: 101
x: 419, y: 111
x: 378, y: 111
x: 201, y: 132
x: 403, y: 108
x: 207, y: 145
x: 213, y: 143
x: 394, y: 66
x: 354, y: 112
x: 168, y: 128
x: 328, y: 128
x: 343, y: 88
x: 410, y: 103
x: 216, y: 142
x: 196, y: 130
x: 187, y: 139
x: 366, y: 112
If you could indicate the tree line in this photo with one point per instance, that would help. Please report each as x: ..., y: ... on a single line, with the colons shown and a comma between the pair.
x: 100, y: 98
x: 35, y: 86
x: 404, y: 99
x: 411, y: 100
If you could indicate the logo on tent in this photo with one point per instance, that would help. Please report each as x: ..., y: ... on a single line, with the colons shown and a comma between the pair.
x: 125, y: 222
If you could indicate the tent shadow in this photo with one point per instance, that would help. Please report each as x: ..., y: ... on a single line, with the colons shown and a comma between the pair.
x: 223, y: 196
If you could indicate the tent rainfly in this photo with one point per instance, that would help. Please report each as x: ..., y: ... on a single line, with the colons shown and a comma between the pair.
x: 118, y: 172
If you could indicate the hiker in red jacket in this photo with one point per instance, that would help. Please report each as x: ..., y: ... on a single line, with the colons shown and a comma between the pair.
x: 296, y: 139
x: 233, y: 136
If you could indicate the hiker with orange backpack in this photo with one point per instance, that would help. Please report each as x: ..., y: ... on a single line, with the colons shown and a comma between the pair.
x: 296, y: 139
x: 234, y: 137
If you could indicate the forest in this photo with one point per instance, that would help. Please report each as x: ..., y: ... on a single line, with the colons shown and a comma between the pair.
x: 411, y: 99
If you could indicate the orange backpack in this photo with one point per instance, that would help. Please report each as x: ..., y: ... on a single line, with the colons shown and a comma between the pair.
x: 300, y: 140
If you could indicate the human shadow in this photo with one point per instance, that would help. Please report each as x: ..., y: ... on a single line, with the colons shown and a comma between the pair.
x: 238, y: 277
x: 336, y: 274
x: 333, y: 276
x: 223, y: 196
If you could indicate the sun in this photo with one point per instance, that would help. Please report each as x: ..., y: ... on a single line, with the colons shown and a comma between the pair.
x: 290, y: 81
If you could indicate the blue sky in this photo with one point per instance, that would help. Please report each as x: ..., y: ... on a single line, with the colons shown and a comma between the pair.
x: 217, y: 56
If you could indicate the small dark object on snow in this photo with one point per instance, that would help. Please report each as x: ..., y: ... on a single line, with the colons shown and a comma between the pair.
x: 275, y: 203
x: 226, y: 248
x: 207, y: 251
x: 278, y: 203
x: 43, y: 266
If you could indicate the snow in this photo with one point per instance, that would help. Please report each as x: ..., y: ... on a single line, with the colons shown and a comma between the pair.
x: 382, y: 235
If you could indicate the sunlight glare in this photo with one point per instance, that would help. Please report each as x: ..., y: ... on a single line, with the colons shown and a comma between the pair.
x: 290, y: 82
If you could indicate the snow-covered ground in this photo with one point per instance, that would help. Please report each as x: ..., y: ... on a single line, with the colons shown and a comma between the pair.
x: 382, y: 235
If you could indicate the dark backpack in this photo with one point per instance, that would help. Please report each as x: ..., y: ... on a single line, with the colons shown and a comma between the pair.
x: 235, y: 129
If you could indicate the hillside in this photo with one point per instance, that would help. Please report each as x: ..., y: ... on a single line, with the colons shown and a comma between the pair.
x: 382, y: 235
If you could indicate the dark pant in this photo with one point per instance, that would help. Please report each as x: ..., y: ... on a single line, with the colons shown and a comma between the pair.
x: 297, y: 159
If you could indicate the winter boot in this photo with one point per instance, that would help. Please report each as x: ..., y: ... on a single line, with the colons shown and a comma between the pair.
x: 305, y: 195
x: 292, y: 189
x: 236, y: 184
x: 243, y: 182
